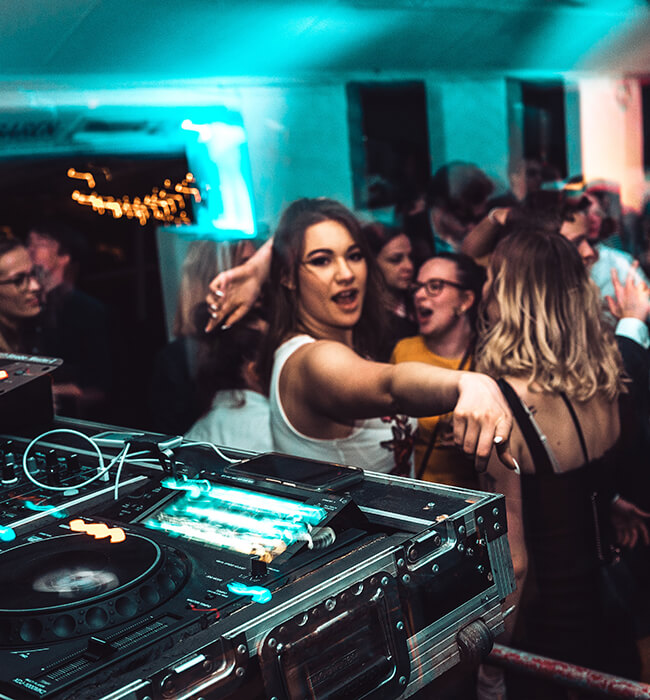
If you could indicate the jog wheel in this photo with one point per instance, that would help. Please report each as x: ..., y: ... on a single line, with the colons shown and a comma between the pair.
x: 73, y: 585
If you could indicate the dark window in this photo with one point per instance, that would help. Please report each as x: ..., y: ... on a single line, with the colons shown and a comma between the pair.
x: 544, y: 124
x: 389, y: 142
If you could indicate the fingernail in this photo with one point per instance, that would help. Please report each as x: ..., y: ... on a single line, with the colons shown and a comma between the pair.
x: 225, y: 327
x: 516, y: 469
x: 213, y: 307
x: 219, y: 293
x: 498, y: 439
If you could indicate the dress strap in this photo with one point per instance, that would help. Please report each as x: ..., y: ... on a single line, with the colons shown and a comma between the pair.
x: 578, y: 427
x: 467, y: 360
x: 544, y: 460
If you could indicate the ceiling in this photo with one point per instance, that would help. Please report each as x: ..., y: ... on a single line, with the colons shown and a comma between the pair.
x: 110, y: 43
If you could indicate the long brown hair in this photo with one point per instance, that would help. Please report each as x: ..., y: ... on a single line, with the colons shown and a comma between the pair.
x: 285, y: 260
x: 549, y: 327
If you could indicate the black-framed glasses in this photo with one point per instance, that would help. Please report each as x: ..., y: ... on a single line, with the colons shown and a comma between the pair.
x: 434, y: 286
x: 21, y: 280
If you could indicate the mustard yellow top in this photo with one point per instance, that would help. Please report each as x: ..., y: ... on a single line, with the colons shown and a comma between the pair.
x: 447, y: 464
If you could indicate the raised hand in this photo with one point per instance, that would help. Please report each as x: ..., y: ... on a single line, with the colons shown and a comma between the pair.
x: 632, y: 299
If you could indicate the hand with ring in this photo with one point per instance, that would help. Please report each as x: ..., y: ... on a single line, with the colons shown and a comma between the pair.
x: 232, y: 293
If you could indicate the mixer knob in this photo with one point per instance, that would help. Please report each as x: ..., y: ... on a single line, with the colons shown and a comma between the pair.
x: 9, y: 469
x: 8, y: 462
x: 32, y: 465
x: 74, y: 468
x: 52, y: 462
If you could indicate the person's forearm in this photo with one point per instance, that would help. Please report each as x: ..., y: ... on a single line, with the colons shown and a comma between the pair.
x: 260, y: 262
x: 482, y: 239
x: 419, y: 389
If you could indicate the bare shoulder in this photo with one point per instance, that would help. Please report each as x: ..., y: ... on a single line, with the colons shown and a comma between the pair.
x: 328, y: 368
x: 324, y: 354
x: 597, y: 419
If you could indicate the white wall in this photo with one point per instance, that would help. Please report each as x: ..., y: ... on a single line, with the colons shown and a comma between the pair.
x: 468, y: 121
x: 611, y: 129
x: 299, y: 141
x: 298, y: 145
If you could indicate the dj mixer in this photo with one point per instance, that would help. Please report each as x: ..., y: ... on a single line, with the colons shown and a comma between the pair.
x: 138, y: 566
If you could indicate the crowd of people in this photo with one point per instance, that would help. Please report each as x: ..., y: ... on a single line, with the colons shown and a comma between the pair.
x: 43, y: 313
x: 519, y: 345
x: 482, y: 342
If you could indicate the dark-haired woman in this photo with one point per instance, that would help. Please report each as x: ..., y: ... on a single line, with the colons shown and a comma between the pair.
x: 393, y: 252
x: 446, y: 296
x: 327, y: 400
x: 234, y: 409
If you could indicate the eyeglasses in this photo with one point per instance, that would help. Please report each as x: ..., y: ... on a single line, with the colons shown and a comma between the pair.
x: 21, y: 280
x: 434, y: 286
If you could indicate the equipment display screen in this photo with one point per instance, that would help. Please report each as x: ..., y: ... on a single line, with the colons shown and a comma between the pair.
x: 254, y: 524
x: 305, y: 473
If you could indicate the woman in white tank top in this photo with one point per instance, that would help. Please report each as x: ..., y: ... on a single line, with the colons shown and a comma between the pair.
x: 328, y: 400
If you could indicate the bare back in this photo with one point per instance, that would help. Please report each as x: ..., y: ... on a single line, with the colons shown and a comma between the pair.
x: 598, y: 418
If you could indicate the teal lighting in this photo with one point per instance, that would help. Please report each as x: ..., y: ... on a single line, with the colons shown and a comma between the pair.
x: 45, y: 508
x: 562, y: 39
x: 242, y: 521
x: 258, y: 594
x: 218, y: 156
x: 282, y: 507
x: 7, y: 534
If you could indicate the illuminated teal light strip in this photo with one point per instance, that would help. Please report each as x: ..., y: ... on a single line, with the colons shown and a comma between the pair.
x: 280, y: 508
x: 45, y: 508
x: 288, y: 531
x: 245, y: 543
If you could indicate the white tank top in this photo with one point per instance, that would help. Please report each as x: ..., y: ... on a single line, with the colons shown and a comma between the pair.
x: 378, y: 444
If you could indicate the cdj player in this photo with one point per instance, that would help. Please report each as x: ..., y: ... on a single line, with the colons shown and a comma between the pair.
x: 138, y: 566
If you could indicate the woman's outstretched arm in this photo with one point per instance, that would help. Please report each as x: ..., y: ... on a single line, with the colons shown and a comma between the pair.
x: 327, y: 379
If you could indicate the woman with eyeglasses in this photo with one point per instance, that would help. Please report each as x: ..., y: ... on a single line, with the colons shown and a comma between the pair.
x: 19, y: 296
x: 328, y: 400
x: 446, y: 296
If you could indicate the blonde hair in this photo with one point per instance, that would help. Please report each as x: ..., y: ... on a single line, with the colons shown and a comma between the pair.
x: 549, y: 327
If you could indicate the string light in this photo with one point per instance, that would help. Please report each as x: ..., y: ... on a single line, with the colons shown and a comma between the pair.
x: 167, y: 205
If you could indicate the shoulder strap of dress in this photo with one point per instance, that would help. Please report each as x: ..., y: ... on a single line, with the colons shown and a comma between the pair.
x: 466, y: 362
x: 544, y: 460
x: 578, y: 427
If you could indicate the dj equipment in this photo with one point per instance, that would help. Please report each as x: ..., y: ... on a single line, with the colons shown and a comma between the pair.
x: 25, y: 389
x: 192, y: 573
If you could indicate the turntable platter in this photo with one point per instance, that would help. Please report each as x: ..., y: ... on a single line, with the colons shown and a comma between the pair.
x: 71, y: 569
x: 71, y: 585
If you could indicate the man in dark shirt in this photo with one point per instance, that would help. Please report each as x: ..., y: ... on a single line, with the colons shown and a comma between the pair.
x: 73, y: 325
